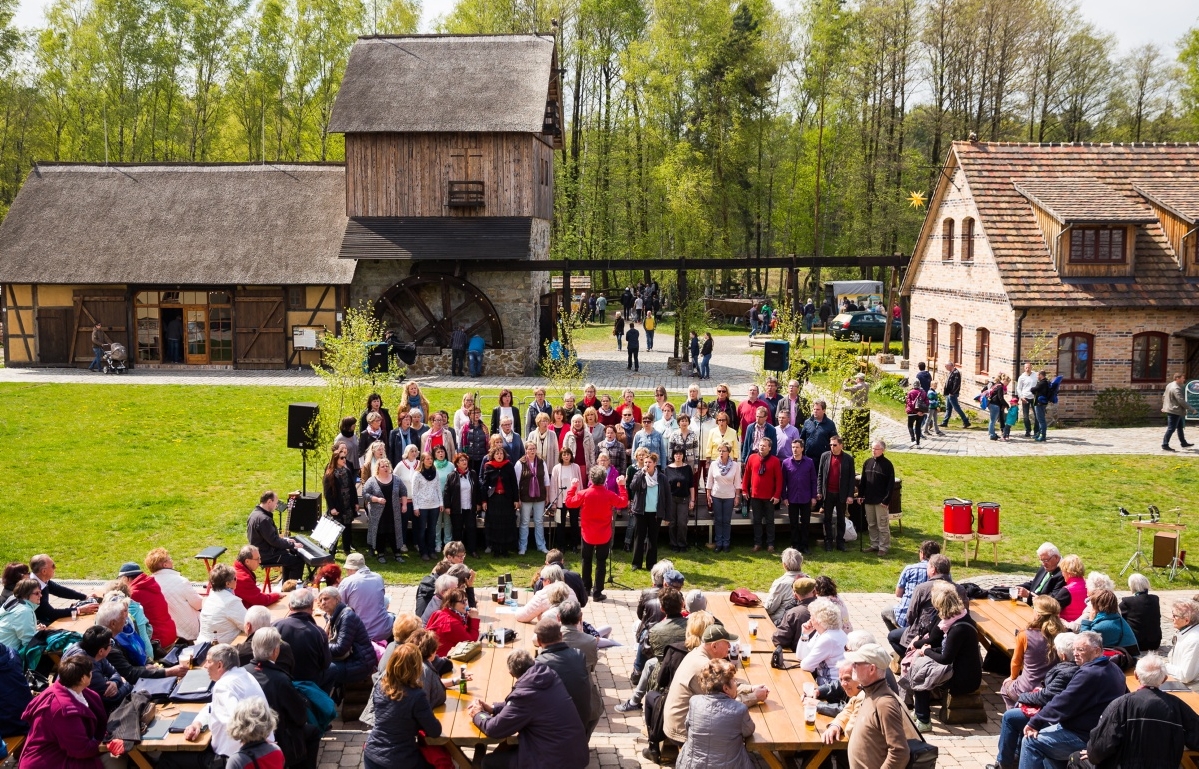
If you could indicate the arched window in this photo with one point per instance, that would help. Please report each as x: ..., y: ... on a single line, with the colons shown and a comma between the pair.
x: 1149, y: 357
x: 931, y: 352
x: 947, y: 240
x: 982, y: 351
x: 1074, y: 354
x: 967, y: 240
x: 955, y: 343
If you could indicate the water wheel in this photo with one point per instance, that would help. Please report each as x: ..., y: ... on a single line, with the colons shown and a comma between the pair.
x: 425, y: 309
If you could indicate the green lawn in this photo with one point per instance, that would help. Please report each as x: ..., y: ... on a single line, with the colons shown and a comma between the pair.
x: 99, y: 474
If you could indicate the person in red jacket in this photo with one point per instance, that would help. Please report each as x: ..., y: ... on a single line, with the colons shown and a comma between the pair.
x: 247, y: 583
x: 762, y: 484
x: 454, y: 622
x: 595, y: 518
x: 144, y: 589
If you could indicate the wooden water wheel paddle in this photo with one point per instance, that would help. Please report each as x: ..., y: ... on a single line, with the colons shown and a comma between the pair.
x: 425, y: 309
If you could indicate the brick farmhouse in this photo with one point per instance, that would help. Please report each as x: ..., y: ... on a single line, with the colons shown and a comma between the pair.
x: 1079, y: 257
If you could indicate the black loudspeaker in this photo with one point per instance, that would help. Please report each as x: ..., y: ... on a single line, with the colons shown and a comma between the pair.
x: 305, y: 512
x: 377, y: 357
x: 301, y: 430
x: 777, y: 356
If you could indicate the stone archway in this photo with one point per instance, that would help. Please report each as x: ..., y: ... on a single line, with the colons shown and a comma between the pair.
x: 425, y: 309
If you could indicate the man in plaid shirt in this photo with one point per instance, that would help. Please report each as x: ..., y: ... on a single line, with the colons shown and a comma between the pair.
x: 897, y: 616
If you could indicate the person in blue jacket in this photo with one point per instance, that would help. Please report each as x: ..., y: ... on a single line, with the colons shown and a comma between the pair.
x: 1107, y: 622
x: 474, y: 355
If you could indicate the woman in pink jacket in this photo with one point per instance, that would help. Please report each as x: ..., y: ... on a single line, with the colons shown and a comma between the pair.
x: 66, y: 721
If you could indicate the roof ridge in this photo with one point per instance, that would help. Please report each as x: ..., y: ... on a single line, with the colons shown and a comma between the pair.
x: 968, y: 143
x: 62, y: 165
x: 441, y: 35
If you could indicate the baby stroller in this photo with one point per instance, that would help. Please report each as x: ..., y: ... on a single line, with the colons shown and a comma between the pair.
x: 114, y: 359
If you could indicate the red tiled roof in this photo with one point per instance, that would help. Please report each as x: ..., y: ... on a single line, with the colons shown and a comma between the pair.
x: 993, y: 171
x: 1078, y: 199
x: 1180, y: 196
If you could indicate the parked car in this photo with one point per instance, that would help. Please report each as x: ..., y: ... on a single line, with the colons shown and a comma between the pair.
x: 856, y: 326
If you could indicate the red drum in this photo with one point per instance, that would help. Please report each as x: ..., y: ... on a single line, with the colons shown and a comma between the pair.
x: 988, y: 518
x: 959, y: 516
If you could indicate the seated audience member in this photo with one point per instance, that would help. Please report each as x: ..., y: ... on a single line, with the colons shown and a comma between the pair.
x: 328, y: 575
x: 66, y: 722
x: 137, y: 622
x: 825, y: 640
x: 13, y: 573
x: 570, y: 614
x: 912, y: 576
x: 540, y: 713
x: 843, y: 713
x: 789, y: 628
x: 364, y: 591
x: 349, y: 643
x: 42, y: 568
x: 832, y: 694
x: 1148, y: 727
x: 1143, y: 613
x: 1184, y: 656
x: 441, y: 588
x: 695, y: 600
x: 106, y: 681
x: 309, y: 644
x: 454, y: 622
x: 830, y: 698
x: 252, y: 724
x: 1049, y: 579
x: 426, y: 643
x: 953, y: 642
x: 827, y: 588
x: 922, y: 616
x: 183, y: 602
x: 145, y: 590
x: 673, y: 627
x: 880, y: 735
x: 1034, y: 654
x: 697, y: 623
x: 402, y: 713
x: 222, y: 614
x: 18, y: 615
x: 717, y: 722
x: 782, y: 597
x: 1103, y: 617
x: 258, y: 618
x: 127, y: 654
x: 274, y: 549
x: 299, y: 740
x: 685, y: 684
x: 427, y: 587
x: 1076, y: 585
x: 532, y: 611
x: 1011, y: 730
x: 1095, y: 582
x: 17, y: 694
x: 572, y: 578
x: 1063, y: 725
x: 648, y: 600
x: 570, y: 666
x: 246, y: 587
x: 232, y: 686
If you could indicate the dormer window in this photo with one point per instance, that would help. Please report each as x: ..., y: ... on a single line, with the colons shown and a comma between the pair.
x: 1097, y: 245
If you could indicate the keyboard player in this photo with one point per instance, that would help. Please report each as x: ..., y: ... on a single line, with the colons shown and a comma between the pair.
x: 264, y: 535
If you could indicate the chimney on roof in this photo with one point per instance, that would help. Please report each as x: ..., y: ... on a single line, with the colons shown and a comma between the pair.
x: 973, y: 136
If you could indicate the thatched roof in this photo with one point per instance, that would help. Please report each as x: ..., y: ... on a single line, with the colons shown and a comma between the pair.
x: 177, y: 224
x: 447, y: 83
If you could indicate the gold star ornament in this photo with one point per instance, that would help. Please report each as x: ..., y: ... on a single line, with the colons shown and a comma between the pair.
x: 916, y: 199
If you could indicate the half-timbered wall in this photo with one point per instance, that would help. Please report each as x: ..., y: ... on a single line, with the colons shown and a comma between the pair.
x: 318, y: 306
x: 409, y: 174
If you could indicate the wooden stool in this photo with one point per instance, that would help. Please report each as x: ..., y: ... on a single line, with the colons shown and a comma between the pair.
x: 209, y: 556
x: 354, y: 698
x: 964, y: 708
x: 965, y: 539
x: 267, y: 571
x: 994, y: 539
x: 896, y: 518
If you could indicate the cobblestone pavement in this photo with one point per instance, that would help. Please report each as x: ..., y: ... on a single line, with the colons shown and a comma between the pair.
x: 618, y: 740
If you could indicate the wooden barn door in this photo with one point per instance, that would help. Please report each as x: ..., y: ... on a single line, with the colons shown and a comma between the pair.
x: 54, y: 335
x: 108, y: 306
x: 258, y: 329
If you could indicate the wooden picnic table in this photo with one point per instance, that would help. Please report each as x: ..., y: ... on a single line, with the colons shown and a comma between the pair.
x: 737, y: 618
x: 172, y: 743
x: 999, y: 622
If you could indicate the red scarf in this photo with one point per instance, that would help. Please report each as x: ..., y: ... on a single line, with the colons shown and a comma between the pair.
x: 499, y: 483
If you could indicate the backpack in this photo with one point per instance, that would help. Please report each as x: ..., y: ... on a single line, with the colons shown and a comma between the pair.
x: 1054, y: 386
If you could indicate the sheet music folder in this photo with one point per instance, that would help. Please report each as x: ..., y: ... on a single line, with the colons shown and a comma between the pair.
x: 196, y: 681
x: 326, y: 532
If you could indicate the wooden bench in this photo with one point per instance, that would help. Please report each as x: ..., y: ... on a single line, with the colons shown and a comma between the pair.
x: 964, y: 708
x: 13, y: 745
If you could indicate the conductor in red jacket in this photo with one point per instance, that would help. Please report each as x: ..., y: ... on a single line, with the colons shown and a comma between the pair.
x: 595, y: 519
x: 762, y: 484
x: 247, y: 583
x: 145, y: 590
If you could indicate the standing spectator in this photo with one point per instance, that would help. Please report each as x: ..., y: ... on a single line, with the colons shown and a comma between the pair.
x: 67, y: 721
x: 595, y: 506
x: 799, y: 489
x: 650, y: 325
x: 952, y: 389
x: 878, y: 481
x: 633, y: 338
x: 818, y: 431
x: 99, y: 340
x: 858, y: 389
x: 458, y: 343
x: 717, y: 722
x: 826, y: 312
x: 402, y: 712
x: 693, y: 349
x: 996, y: 405
x: 912, y: 576
x: 705, y: 356
x: 934, y: 404
x: 834, y: 488
x: 916, y: 406
x: 762, y: 485
x: 1143, y: 613
x: 1034, y: 655
x: 724, y: 494
x: 809, y: 314
x: 879, y: 737
x: 924, y: 379
x: 474, y: 355
x: 1174, y: 406
x: 1024, y: 385
x: 618, y: 330
x: 364, y: 591
x: 601, y: 307
x: 183, y: 602
x: 1040, y: 393
x: 501, y: 495
x: 638, y: 308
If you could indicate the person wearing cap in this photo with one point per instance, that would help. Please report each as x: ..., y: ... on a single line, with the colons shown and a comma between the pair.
x: 879, y: 739
x: 686, y: 683
x: 247, y: 588
x: 144, y: 589
x: 364, y: 591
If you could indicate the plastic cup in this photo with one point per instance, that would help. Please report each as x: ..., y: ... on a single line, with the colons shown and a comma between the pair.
x: 753, y: 628
x: 1014, y: 593
x: 745, y: 659
x: 809, y: 716
x: 74, y: 614
x: 809, y: 689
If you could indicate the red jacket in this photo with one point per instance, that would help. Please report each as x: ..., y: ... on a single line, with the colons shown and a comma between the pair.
x: 63, y: 734
x: 769, y: 485
x: 450, y: 630
x: 595, y: 515
x: 247, y: 588
x: 146, y: 591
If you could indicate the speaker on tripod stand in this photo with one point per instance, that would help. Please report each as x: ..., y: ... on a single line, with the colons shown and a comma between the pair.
x: 301, y: 434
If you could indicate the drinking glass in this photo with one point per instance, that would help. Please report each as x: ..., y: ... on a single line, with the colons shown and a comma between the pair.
x: 753, y: 628
x: 809, y: 716
x: 745, y: 658
x: 1014, y: 593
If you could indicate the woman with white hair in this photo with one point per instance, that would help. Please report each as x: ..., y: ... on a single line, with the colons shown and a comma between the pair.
x: 441, y: 588
x: 825, y: 641
x: 782, y: 596
x: 532, y: 611
x: 1143, y: 613
x: 252, y: 725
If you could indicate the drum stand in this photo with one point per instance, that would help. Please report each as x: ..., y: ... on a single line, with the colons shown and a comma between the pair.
x: 1138, y: 557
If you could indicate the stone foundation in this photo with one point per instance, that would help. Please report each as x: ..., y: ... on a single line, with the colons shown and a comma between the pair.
x: 510, y: 362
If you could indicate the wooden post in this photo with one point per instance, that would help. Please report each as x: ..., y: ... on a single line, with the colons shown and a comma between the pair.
x: 890, y: 302
x: 565, y: 304
x: 680, y: 330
